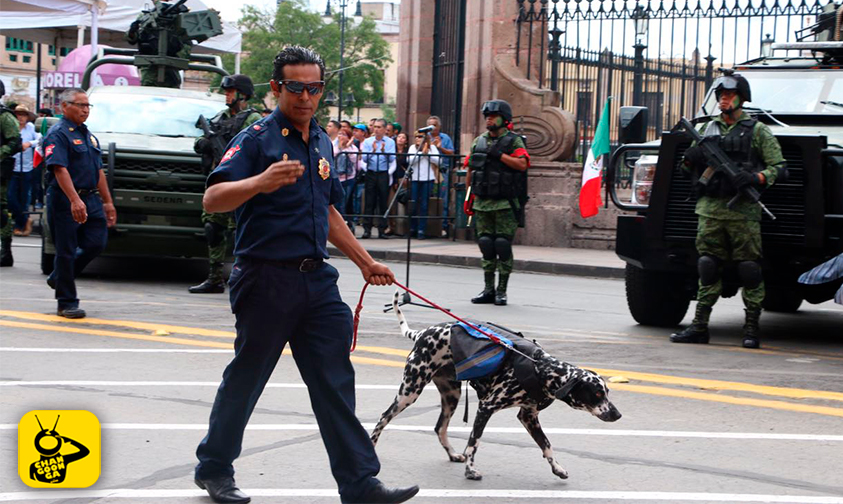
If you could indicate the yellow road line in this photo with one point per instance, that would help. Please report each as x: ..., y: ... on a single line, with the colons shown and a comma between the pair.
x: 131, y: 324
x: 791, y: 393
x: 741, y: 401
x: 115, y: 334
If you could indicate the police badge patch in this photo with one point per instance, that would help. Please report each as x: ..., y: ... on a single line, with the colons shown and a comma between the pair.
x: 324, y: 169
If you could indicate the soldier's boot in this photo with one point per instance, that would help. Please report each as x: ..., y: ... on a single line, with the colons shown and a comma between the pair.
x: 697, y: 332
x: 751, y: 338
x: 215, y: 284
x: 488, y: 294
x: 500, y: 293
x: 6, y: 258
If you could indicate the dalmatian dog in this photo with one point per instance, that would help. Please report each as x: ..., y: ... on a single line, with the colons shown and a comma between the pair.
x: 431, y: 360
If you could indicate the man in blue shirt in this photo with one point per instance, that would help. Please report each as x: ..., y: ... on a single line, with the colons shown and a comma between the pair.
x: 379, y: 157
x: 278, y: 178
x: 445, y: 146
x: 79, y: 205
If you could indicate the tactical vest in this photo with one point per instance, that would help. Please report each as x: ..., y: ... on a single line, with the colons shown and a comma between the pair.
x: 491, y: 178
x: 227, y: 128
x: 7, y: 164
x: 737, y: 145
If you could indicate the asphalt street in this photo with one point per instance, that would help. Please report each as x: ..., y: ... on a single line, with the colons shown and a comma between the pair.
x: 701, y: 423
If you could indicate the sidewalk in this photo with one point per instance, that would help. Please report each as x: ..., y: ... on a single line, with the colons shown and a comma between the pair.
x: 557, y: 261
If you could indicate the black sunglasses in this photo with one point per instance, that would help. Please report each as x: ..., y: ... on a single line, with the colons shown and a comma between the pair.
x: 296, y: 87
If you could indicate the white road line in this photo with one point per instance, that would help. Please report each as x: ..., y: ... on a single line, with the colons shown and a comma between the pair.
x: 496, y: 430
x: 100, y: 383
x: 125, y: 493
x: 116, y: 350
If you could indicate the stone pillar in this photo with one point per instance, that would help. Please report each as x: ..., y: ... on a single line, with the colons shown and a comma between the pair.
x: 415, y: 62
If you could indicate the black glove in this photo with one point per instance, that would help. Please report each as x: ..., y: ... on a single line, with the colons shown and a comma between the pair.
x: 202, y: 146
x: 744, y: 178
x: 694, y: 157
x: 495, y: 151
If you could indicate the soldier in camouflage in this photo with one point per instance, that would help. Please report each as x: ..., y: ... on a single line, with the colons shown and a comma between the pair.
x: 731, y: 234
x: 9, y: 146
x: 162, y: 19
x: 225, y: 125
x: 497, y: 174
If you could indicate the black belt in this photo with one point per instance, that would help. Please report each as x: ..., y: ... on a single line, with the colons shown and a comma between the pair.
x: 85, y: 192
x: 305, y: 265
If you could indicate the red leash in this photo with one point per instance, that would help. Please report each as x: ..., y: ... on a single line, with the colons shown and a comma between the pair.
x: 431, y: 303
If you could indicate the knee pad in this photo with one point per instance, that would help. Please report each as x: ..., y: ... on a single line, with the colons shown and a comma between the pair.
x: 487, y: 247
x: 709, y: 269
x: 214, y: 233
x: 750, y: 274
x: 503, y: 247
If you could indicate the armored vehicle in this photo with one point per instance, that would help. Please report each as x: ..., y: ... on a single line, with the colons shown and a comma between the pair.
x: 146, y: 134
x: 800, y: 97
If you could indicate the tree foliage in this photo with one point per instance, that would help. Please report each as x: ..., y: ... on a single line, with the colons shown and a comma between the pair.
x: 366, y: 54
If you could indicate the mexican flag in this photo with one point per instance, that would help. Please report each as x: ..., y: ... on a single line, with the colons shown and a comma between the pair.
x: 593, y: 170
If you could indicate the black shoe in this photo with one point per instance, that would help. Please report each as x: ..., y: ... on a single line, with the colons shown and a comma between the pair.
x: 51, y: 281
x: 382, y: 236
x: 366, y: 235
x: 751, y: 329
x: 6, y: 258
x: 751, y: 342
x: 222, y: 489
x: 382, y: 494
x: 692, y: 334
x: 71, y: 313
x: 208, y: 287
x: 485, y: 297
x: 500, y: 299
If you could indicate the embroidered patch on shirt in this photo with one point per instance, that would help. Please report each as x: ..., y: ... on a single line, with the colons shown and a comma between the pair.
x: 230, y: 153
x: 49, y: 150
x: 77, y: 141
x: 324, y: 168
x: 285, y: 132
x: 257, y: 127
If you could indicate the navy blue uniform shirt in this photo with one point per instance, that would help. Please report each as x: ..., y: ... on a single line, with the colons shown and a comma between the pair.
x: 292, y: 222
x: 75, y: 148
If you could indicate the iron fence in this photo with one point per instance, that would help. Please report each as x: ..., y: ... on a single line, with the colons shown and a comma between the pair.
x: 661, y: 54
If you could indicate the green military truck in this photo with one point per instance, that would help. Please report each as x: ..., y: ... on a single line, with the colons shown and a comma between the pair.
x: 146, y: 134
x: 801, y: 99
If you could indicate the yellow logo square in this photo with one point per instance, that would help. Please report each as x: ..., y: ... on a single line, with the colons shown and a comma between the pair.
x: 59, y: 449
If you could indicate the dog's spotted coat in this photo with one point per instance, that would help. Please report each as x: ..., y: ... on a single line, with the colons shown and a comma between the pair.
x: 431, y: 360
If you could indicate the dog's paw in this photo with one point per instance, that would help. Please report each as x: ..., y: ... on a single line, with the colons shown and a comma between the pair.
x: 457, y: 457
x: 473, y: 474
x: 559, y: 471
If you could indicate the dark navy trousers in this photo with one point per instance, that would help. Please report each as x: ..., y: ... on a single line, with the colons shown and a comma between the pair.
x: 274, y: 305
x: 76, y: 244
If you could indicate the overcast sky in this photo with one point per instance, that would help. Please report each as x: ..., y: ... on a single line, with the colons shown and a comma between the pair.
x: 230, y: 11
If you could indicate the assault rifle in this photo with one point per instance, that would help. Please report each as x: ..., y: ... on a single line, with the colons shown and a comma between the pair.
x: 718, y: 161
x: 217, y: 145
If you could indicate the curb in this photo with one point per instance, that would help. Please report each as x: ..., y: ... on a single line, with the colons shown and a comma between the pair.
x: 474, y: 262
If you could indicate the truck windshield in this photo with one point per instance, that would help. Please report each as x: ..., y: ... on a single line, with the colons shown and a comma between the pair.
x: 791, y: 92
x: 149, y: 115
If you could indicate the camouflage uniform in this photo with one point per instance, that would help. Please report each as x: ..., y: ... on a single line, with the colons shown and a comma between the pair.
x: 10, y: 131
x: 225, y: 220
x: 496, y: 217
x: 735, y: 234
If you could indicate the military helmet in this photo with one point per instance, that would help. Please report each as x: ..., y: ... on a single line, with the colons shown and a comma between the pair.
x: 242, y: 83
x: 499, y: 107
x: 733, y: 81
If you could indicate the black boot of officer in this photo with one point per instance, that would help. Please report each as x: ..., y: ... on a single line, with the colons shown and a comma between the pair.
x: 487, y: 295
x: 697, y: 332
x: 6, y: 258
x: 751, y: 329
x: 211, y: 285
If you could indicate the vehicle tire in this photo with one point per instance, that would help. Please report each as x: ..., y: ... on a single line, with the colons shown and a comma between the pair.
x: 656, y: 298
x: 47, y: 260
x: 782, y: 300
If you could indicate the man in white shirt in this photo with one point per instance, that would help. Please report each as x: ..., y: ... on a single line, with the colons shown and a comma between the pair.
x: 379, y: 159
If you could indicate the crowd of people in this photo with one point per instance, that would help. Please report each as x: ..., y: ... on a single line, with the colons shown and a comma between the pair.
x: 372, y: 161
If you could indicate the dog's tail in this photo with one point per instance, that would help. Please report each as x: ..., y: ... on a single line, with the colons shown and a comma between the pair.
x: 402, y: 322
